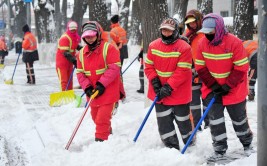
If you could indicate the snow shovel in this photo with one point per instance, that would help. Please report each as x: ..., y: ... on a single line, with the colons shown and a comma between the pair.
x: 198, y: 124
x: 63, y: 97
x: 145, y: 119
x: 10, y: 82
x: 80, y: 121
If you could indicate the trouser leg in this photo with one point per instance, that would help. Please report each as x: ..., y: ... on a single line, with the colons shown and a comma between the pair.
x: 252, y: 82
x: 195, y: 104
x: 238, y: 115
x: 166, y: 127
x: 141, y: 77
x: 217, y: 124
x: 63, y: 76
x: 2, y: 61
x: 181, y: 113
x: 101, y: 116
x: 30, y: 73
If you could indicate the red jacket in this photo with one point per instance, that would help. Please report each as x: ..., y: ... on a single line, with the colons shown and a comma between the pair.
x: 29, y: 44
x: 120, y: 34
x: 172, y: 64
x: 220, y: 61
x: 66, y: 43
x: 102, y: 65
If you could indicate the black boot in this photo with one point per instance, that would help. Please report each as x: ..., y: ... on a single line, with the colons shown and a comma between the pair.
x: 98, y: 140
x: 140, y: 90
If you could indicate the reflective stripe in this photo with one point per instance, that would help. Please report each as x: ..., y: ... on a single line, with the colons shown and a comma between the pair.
x: 252, y: 80
x: 164, y: 113
x: 246, y: 43
x: 29, y: 50
x: 164, y: 136
x: 241, y: 62
x: 242, y: 133
x: 217, y: 56
x: 149, y: 61
x: 219, y: 137
x: 240, y: 123
x: 64, y: 47
x: 182, y: 119
x: 164, y: 74
x: 220, y: 75
x: 98, y: 71
x: 217, y: 121
x: 194, y: 107
x: 187, y: 135
x: 251, y: 87
x: 200, y: 62
x: 165, y: 54
x: 196, y: 87
x: 184, y: 65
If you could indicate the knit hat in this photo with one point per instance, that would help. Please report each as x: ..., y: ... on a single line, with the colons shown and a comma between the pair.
x: 114, y: 19
x: 168, y: 23
x: 89, y: 30
x: 208, y: 26
x: 72, y: 25
x: 26, y: 28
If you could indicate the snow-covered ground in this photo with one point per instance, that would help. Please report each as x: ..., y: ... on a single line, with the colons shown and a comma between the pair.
x: 34, y: 134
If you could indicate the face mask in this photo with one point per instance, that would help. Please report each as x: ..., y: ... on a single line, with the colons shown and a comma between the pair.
x: 210, y: 37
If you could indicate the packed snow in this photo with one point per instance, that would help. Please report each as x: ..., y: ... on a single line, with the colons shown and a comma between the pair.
x: 34, y: 134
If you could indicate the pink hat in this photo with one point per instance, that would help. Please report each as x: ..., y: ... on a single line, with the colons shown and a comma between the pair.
x: 89, y: 33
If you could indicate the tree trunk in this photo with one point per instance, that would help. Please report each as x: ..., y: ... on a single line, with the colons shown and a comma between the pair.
x: 243, y: 19
x: 64, y: 14
x: 124, y: 13
x: 205, y: 6
x: 180, y: 8
x: 78, y: 12
x: 20, y: 18
x: 44, y: 21
x: 98, y: 12
x: 136, y: 35
x: 153, y: 12
x: 58, y: 19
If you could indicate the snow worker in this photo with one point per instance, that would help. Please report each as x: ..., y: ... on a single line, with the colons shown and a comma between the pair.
x: 251, y: 47
x: 108, y: 36
x: 193, y: 21
x: 65, y: 56
x: 3, y: 51
x: 141, y: 71
x: 121, y: 37
x: 98, y: 70
x: 30, y: 53
x: 168, y: 69
x: 222, y: 65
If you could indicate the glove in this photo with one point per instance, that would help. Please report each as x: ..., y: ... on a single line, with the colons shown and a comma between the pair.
x: 140, y: 55
x: 165, y: 91
x: 89, y: 91
x: 156, y: 85
x: 75, y: 63
x: 100, y: 87
x: 223, y: 90
x: 79, y: 47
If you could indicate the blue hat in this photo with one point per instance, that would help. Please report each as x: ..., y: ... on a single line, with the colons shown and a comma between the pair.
x: 208, y: 25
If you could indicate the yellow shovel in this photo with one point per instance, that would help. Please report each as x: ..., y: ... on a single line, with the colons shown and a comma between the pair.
x: 64, y: 97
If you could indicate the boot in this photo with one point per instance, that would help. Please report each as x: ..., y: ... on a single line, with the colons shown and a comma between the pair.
x: 217, y: 156
x: 140, y: 90
x: 98, y: 140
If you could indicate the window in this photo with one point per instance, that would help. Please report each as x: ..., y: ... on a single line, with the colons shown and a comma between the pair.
x: 224, y: 13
